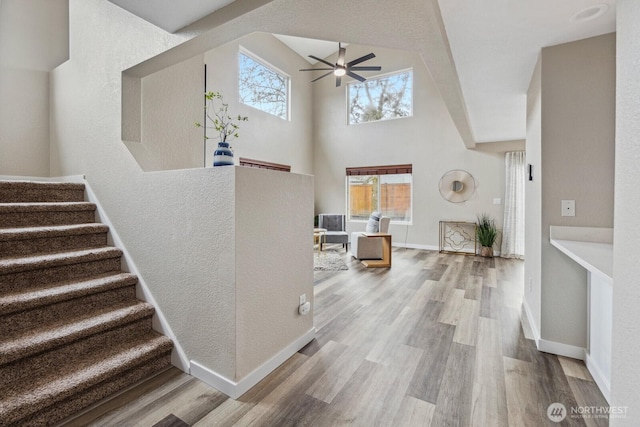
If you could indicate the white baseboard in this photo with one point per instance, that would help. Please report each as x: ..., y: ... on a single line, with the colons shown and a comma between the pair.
x: 598, y: 377
x: 179, y: 358
x: 430, y: 247
x: 415, y: 246
x: 561, y: 349
x: 532, y: 324
x: 236, y: 389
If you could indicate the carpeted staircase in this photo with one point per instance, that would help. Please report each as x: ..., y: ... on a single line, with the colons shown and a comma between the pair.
x: 71, y: 329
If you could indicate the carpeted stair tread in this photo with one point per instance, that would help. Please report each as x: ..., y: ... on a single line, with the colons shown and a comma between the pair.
x: 72, y: 331
x: 46, y: 207
x: 40, y: 214
x: 49, y: 337
x: 27, y: 399
x: 27, y: 300
x: 17, y: 265
x: 30, y: 191
x: 27, y: 233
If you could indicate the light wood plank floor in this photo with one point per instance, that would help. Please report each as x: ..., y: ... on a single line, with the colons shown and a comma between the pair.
x: 435, y: 340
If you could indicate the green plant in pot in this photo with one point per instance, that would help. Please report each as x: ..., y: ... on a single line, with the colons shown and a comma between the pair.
x: 217, y: 113
x: 486, y: 233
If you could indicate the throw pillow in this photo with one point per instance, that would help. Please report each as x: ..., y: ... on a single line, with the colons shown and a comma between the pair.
x: 373, y: 225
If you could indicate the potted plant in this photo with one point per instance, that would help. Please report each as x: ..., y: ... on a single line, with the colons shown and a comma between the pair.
x: 486, y: 233
x: 217, y: 113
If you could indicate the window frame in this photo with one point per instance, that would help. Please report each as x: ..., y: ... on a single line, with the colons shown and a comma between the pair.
x: 378, y: 77
x: 246, y: 52
x: 406, y: 169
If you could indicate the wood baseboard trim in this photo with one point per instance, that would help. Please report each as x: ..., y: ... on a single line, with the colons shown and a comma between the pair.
x: 235, y: 389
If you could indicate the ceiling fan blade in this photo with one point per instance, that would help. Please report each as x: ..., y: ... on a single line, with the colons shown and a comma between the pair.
x: 338, y: 81
x: 355, y: 76
x: 371, y: 68
x: 324, y: 75
x: 322, y: 60
x: 341, y: 53
x: 361, y: 59
x: 315, y: 69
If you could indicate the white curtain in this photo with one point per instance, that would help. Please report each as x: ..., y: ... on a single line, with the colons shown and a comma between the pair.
x: 513, y: 226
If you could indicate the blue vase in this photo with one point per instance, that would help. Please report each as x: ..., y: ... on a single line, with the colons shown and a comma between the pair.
x: 223, y: 156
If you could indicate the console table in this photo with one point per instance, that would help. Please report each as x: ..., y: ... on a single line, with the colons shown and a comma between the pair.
x: 385, y: 262
x: 458, y: 237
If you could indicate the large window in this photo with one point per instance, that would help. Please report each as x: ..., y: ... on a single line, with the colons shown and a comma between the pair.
x: 381, y: 98
x: 262, y: 86
x: 385, y: 189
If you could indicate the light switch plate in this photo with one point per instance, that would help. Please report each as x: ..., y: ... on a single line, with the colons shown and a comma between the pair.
x: 568, y: 207
x: 497, y: 201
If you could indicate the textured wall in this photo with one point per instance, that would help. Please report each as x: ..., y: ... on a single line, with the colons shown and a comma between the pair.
x: 266, y: 137
x: 177, y: 225
x: 578, y: 128
x: 274, y: 262
x: 171, y: 103
x: 533, y: 198
x: 429, y: 140
x: 625, y: 375
x: 24, y: 122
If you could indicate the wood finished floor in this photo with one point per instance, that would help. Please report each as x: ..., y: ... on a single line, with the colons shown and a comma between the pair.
x: 435, y: 340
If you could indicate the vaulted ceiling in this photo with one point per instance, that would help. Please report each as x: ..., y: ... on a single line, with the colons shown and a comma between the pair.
x: 481, y: 54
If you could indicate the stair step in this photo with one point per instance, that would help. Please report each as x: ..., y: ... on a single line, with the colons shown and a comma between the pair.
x: 71, y: 329
x: 41, y: 214
x: 29, y: 191
x: 83, y: 381
x: 28, y: 300
x: 39, y: 240
x: 47, y: 338
x: 18, y: 265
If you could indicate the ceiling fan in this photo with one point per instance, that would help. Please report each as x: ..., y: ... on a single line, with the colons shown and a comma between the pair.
x: 340, y: 69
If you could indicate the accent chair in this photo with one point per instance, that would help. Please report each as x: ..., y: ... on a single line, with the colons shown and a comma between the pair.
x: 363, y: 247
x: 335, y: 226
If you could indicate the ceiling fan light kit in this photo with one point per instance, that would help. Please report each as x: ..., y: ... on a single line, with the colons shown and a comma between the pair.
x: 340, y: 69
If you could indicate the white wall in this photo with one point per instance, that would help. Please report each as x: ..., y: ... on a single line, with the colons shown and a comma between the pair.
x: 28, y: 52
x: 625, y: 375
x: 429, y: 140
x: 274, y: 262
x: 179, y: 226
x: 577, y: 163
x: 265, y: 137
x: 24, y: 122
x: 172, y: 102
x: 533, y: 202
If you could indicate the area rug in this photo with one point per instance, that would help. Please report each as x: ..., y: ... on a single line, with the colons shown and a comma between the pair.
x: 328, y: 261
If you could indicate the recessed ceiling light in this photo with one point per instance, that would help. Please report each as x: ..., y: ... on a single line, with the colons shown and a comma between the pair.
x: 589, y: 13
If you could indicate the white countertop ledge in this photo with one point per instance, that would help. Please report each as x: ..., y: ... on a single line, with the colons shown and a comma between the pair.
x: 592, y: 248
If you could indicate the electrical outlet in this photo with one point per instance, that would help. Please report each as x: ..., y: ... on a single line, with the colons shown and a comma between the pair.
x: 530, y: 284
x: 568, y: 207
x: 497, y: 201
x: 303, y: 299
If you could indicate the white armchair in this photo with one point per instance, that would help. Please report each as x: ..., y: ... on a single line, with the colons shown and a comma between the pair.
x: 363, y: 247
